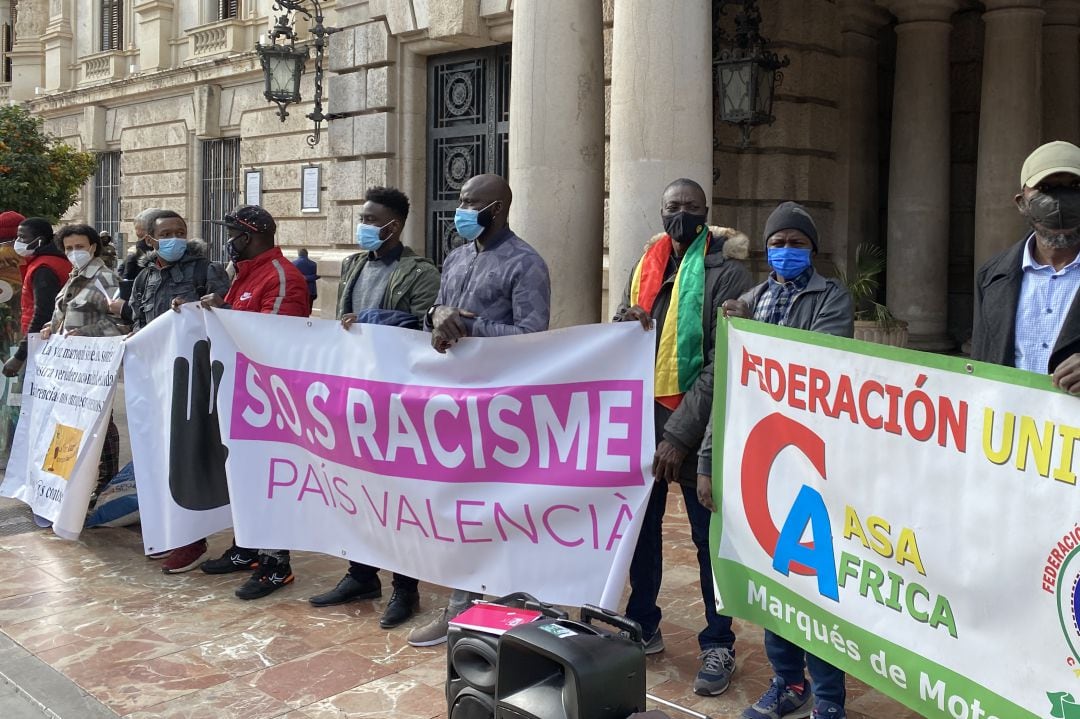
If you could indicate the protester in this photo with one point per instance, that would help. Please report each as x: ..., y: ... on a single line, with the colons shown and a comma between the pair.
x: 390, y: 278
x: 174, y: 270
x: 794, y: 295
x: 142, y: 224
x: 108, y: 250
x: 1025, y: 310
x: 495, y: 284
x: 82, y: 308
x: 685, y: 274
x: 265, y: 282
x: 45, y: 271
x: 310, y: 270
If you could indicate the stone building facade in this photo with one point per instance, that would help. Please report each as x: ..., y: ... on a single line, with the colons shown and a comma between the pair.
x: 901, y: 123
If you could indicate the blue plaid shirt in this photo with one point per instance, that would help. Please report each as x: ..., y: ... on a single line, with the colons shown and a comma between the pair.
x: 775, y: 301
x: 1045, y: 298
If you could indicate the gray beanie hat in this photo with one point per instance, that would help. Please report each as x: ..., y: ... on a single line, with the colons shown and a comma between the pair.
x: 791, y: 216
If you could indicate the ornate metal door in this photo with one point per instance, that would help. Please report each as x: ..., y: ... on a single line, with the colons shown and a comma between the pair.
x: 468, y: 133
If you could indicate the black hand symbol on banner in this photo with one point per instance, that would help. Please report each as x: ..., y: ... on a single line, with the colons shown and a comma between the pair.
x: 196, y: 454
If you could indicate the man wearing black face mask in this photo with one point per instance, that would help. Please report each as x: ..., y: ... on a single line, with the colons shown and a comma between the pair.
x: 680, y: 283
x: 1026, y: 312
x: 265, y: 282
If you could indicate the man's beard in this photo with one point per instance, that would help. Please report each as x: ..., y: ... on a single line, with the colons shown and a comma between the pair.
x: 1058, y: 239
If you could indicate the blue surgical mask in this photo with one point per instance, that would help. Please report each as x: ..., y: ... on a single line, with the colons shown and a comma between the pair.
x: 789, y: 262
x: 172, y: 249
x: 470, y: 224
x: 369, y: 237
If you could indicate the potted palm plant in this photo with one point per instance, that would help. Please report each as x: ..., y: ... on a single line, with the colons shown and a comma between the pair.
x: 874, y: 322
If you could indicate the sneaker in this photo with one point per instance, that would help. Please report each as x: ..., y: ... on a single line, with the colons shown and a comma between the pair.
x: 655, y: 643
x: 347, y: 590
x: 402, y: 606
x: 780, y: 702
x: 185, y: 559
x: 717, y: 666
x: 271, y: 576
x: 432, y: 633
x: 159, y: 555
x: 235, y: 559
x: 828, y: 710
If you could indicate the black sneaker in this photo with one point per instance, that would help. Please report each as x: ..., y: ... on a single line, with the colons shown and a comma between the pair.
x: 235, y: 559
x: 271, y: 576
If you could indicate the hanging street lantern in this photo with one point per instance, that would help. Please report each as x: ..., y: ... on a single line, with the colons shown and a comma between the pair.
x: 283, y: 63
x: 747, y: 74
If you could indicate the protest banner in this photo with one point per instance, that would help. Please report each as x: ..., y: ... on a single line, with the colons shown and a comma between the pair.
x: 910, y: 518
x: 71, y: 402
x: 492, y: 468
x: 15, y: 472
x: 175, y: 439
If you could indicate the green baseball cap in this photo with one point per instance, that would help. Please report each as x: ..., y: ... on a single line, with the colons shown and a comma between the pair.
x: 1050, y: 159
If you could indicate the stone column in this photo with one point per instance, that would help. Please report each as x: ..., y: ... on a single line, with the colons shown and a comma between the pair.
x: 155, y: 20
x: 1010, y: 123
x: 918, y: 239
x: 857, y: 209
x: 27, y: 55
x: 557, y: 148
x: 1061, y: 77
x: 661, y: 119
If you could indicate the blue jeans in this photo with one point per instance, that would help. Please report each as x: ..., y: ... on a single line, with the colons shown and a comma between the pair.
x: 788, y: 661
x: 647, y: 569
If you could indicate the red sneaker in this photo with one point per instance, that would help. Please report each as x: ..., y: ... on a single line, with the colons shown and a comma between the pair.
x: 184, y: 559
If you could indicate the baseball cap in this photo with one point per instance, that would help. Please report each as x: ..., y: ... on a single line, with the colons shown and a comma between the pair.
x: 1050, y: 159
x: 249, y: 218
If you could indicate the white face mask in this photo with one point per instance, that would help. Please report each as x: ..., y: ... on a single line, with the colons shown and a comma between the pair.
x: 22, y: 249
x: 79, y: 258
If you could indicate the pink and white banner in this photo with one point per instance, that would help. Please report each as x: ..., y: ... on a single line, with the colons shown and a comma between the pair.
x: 507, y: 464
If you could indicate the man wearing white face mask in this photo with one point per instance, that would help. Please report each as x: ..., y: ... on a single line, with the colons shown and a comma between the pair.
x: 175, y: 268
x: 394, y: 283
x: 45, y: 271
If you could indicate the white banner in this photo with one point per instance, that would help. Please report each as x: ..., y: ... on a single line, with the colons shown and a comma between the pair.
x: 72, y: 394
x: 175, y: 440
x: 492, y: 468
x: 14, y: 485
x: 908, y: 517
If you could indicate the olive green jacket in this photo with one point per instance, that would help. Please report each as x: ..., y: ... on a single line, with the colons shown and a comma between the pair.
x: 412, y: 286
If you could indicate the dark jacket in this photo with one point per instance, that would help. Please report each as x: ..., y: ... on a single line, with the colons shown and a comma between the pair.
x: 824, y: 306
x: 997, y: 298
x: 155, y: 287
x: 725, y: 279
x: 412, y: 288
x: 310, y: 270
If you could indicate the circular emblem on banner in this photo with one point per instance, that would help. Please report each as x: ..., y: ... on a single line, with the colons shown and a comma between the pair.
x: 7, y: 291
x: 1068, y: 599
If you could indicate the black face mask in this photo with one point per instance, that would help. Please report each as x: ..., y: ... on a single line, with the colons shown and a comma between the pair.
x: 233, y: 248
x: 684, y: 227
x: 1055, y: 209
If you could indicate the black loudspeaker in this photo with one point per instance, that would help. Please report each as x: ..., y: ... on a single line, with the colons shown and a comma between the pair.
x: 562, y: 669
x: 471, y: 661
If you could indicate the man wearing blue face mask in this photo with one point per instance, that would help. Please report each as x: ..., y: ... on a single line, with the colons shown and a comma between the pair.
x: 794, y: 295
x: 390, y: 279
x: 385, y: 274
x: 494, y: 285
x: 175, y: 268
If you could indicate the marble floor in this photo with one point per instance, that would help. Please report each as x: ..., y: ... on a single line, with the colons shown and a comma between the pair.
x: 150, y: 645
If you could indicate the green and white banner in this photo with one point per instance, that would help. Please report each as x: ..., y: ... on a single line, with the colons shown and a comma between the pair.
x: 911, y: 518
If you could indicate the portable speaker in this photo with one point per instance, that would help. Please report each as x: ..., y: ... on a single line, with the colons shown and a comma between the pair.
x: 471, y: 663
x: 561, y: 669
